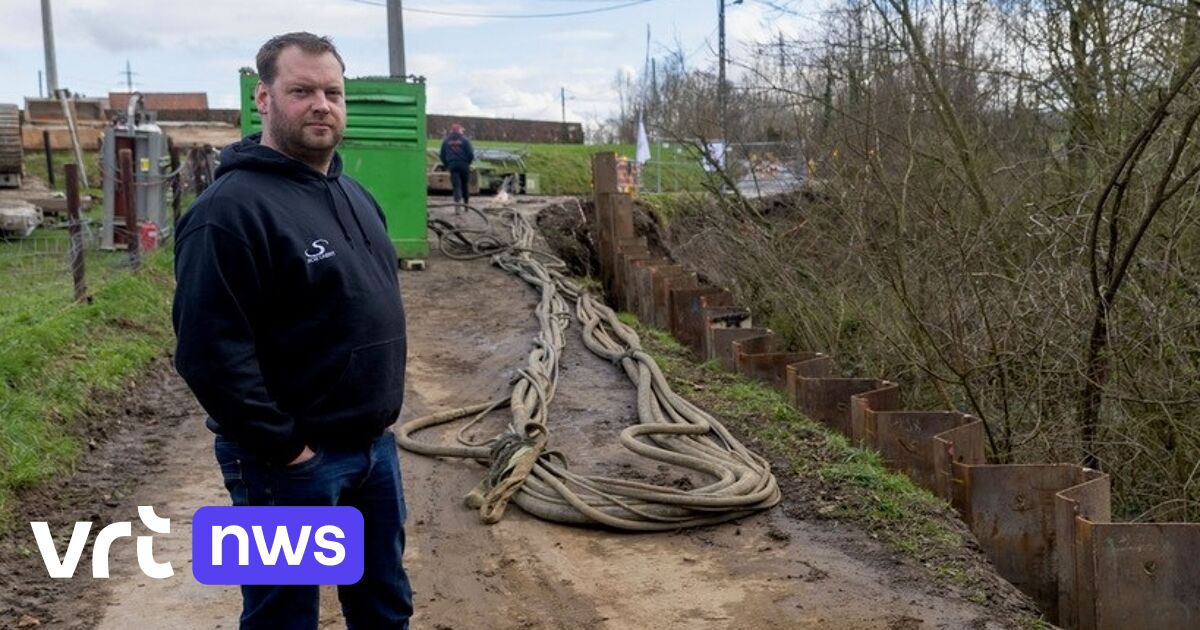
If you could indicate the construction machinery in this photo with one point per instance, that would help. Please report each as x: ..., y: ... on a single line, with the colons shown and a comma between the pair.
x: 18, y: 218
x: 494, y: 170
x: 11, y: 155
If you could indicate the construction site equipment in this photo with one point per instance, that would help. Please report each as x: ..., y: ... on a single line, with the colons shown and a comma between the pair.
x: 18, y: 218
x: 138, y: 131
x: 384, y: 149
x: 670, y: 430
x: 438, y: 180
x: 11, y: 153
x: 493, y: 170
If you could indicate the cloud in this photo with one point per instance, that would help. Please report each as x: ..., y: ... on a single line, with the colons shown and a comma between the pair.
x: 508, y: 68
x: 501, y: 99
x: 755, y: 23
x: 226, y: 101
x: 502, y: 74
x: 428, y: 64
x: 115, y: 36
x: 118, y: 26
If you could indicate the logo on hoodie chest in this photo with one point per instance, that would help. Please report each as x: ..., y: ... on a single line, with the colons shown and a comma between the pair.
x: 318, y: 251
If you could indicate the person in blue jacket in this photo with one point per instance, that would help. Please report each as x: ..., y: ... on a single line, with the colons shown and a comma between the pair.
x: 457, y: 154
x: 291, y: 331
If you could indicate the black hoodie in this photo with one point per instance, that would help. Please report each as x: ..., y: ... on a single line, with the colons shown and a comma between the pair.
x: 288, y: 315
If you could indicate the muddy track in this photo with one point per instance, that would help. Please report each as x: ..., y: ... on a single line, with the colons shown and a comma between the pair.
x: 469, y: 329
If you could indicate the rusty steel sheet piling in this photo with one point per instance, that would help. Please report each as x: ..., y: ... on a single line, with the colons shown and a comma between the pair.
x: 1011, y: 509
x: 687, y: 314
x: 645, y: 287
x: 921, y: 444
x: 662, y: 279
x: 1047, y: 528
x: 827, y: 400
x: 722, y: 340
x: 663, y: 295
x: 605, y: 246
x: 757, y: 358
x: 862, y: 408
x: 627, y: 250
x: 727, y: 324
x: 634, y: 270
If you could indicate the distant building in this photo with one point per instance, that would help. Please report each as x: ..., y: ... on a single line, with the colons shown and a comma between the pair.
x: 507, y: 129
x: 184, y: 116
x: 161, y: 101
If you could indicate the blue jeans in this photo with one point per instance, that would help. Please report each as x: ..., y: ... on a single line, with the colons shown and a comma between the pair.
x: 367, y: 478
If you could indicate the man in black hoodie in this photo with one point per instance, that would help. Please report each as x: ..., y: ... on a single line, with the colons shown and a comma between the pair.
x: 457, y: 155
x: 291, y: 331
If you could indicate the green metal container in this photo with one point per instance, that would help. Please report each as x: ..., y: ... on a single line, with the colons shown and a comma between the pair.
x: 384, y: 149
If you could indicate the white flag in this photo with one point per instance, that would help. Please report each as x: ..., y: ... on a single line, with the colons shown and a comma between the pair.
x: 643, y: 145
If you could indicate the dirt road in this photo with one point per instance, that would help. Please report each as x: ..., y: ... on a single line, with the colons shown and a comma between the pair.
x: 469, y: 329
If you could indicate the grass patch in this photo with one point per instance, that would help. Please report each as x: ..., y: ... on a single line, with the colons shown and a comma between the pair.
x: 35, y: 165
x: 824, y: 472
x: 566, y: 169
x: 669, y: 206
x: 57, y: 358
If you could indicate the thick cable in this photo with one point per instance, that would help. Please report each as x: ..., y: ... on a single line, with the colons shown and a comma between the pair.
x: 670, y: 430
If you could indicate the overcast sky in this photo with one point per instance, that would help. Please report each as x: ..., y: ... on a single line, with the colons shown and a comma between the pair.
x: 474, y: 65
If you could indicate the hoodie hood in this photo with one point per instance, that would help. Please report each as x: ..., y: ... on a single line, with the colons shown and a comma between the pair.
x: 250, y: 154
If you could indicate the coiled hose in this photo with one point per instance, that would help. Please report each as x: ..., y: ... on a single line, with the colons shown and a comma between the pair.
x: 670, y: 430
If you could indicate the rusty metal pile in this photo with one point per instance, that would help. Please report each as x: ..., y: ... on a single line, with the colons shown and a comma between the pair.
x: 1046, y: 527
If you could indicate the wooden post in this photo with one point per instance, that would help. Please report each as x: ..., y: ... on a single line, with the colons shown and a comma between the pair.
x: 125, y: 159
x: 75, y: 230
x: 194, y: 163
x: 49, y: 159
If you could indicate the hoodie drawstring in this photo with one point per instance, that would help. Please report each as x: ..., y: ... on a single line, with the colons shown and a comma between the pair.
x: 337, y: 215
x: 353, y: 214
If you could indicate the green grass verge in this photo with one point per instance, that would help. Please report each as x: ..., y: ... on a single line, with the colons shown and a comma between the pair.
x: 839, y: 480
x: 58, y: 358
x: 566, y: 169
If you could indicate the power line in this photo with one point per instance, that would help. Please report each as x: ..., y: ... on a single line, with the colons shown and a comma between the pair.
x: 704, y: 44
x: 512, y: 16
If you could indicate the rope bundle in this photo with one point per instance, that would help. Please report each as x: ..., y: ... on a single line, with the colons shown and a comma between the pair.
x: 670, y: 430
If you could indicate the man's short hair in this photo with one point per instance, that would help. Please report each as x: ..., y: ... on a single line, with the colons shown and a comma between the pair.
x: 268, y: 55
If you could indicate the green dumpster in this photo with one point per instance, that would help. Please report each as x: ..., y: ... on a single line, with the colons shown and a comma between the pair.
x: 384, y: 149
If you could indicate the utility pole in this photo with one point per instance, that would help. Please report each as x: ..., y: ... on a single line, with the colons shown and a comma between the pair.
x: 48, y: 45
x: 39, y: 84
x: 395, y: 24
x: 562, y: 96
x: 654, y: 80
x: 128, y: 77
x: 722, y: 89
x: 782, y: 60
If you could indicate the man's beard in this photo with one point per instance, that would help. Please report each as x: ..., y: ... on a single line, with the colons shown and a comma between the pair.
x: 292, y: 140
